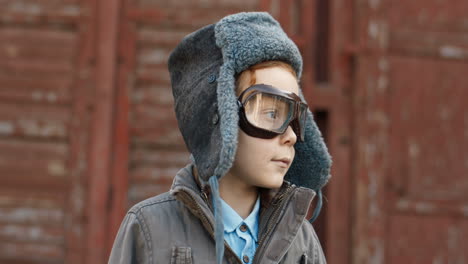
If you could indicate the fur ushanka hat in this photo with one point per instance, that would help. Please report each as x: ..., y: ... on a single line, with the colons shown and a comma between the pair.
x: 203, y: 69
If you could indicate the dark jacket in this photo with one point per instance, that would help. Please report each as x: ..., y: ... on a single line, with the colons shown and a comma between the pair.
x: 177, y: 228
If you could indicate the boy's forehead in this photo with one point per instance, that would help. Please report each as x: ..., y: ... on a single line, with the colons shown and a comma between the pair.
x: 275, y: 76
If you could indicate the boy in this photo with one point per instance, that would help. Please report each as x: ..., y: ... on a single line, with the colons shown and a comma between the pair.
x: 247, y: 126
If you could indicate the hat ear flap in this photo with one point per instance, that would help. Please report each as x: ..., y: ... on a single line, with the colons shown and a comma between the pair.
x: 311, y: 164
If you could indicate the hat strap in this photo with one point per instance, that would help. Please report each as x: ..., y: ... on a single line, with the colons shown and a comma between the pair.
x: 218, y: 226
x: 318, y: 208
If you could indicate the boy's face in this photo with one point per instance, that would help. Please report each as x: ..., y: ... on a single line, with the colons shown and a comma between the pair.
x: 264, y: 162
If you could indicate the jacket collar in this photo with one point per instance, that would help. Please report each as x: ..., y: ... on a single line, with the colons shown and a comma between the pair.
x: 186, y: 189
x: 296, y: 201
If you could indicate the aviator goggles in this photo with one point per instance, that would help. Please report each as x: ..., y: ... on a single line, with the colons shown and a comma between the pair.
x: 266, y: 112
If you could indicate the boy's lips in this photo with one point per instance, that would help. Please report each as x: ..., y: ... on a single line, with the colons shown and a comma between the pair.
x: 284, y: 162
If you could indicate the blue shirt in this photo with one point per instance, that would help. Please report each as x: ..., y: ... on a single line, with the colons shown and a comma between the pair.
x: 241, y: 234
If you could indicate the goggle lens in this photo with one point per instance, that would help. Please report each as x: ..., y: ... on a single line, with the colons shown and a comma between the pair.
x: 269, y: 112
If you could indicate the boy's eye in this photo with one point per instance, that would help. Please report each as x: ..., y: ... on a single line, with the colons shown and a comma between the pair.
x: 271, y: 114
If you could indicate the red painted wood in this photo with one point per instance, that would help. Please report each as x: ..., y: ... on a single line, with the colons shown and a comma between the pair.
x: 40, y: 220
x: 337, y: 97
x: 410, y: 185
x: 82, y: 90
x: 121, y: 138
x: 101, y: 150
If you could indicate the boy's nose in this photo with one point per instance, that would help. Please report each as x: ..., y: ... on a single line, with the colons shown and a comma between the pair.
x: 288, y: 137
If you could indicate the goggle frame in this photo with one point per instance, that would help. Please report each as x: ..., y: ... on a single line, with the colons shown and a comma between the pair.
x: 294, y: 122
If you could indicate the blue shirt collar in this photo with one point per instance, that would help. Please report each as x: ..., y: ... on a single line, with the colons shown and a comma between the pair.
x: 232, y: 220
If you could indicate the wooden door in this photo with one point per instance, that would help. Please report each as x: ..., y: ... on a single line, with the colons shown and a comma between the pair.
x: 410, y: 98
x: 45, y: 91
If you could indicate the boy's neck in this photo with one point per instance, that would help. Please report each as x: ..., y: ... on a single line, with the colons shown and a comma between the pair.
x: 240, y: 196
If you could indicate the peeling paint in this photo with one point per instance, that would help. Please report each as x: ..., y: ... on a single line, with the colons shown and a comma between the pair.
x: 154, y: 95
x: 8, y: 201
x: 370, y: 150
x: 464, y: 210
x: 29, y: 232
x: 33, y: 9
x: 455, y: 242
x: 373, y: 29
x: 4, y: 200
x: 378, y: 30
x: 383, y: 36
x: 422, y: 16
x: 71, y: 10
x: 379, y: 117
x: 372, y: 195
x: 51, y: 97
x: 403, y: 204
x: 374, y: 4
x: 423, y: 207
x: 383, y: 65
x: 171, y: 136
x: 11, y: 50
x: 138, y: 96
x: 445, y: 113
x: 37, y: 95
x: 438, y: 260
x: 6, y: 128
x: 382, y: 83
x: 452, y: 52
x: 57, y: 168
x: 22, y: 214
x: 376, y: 255
x: 157, y: 173
x: 154, y: 57
x: 77, y: 198
x: 453, y: 235
x: 413, y: 149
x: 35, y: 128
x: 77, y: 229
x: 35, y: 249
x: 370, y: 85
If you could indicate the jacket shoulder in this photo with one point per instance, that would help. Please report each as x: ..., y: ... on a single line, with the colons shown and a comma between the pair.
x: 161, y: 200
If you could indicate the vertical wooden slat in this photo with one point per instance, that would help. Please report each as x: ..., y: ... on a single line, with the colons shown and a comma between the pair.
x: 340, y: 80
x: 101, y: 131
x: 307, y: 34
x: 284, y: 15
x: 121, y: 140
x: 82, y: 90
x: 265, y: 5
x: 371, y: 137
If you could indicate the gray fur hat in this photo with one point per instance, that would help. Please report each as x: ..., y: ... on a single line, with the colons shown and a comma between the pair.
x: 203, y: 70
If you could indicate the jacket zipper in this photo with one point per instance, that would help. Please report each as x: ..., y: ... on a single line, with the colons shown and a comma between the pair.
x: 272, y: 222
x: 205, y: 220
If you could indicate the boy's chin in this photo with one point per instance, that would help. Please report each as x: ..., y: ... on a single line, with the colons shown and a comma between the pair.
x: 271, y: 184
